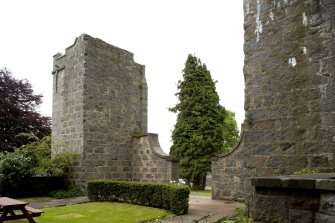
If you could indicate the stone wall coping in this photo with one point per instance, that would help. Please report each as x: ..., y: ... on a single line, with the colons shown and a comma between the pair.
x: 317, y: 181
x: 75, y: 41
x: 156, y: 148
x: 235, y: 147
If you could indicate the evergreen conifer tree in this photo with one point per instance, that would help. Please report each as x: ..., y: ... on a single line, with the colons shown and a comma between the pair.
x: 199, y: 131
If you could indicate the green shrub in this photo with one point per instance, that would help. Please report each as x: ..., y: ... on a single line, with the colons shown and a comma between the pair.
x: 15, y: 168
x: 47, y: 166
x: 306, y: 171
x: 33, y: 159
x: 56, y: 166
x: 167, y: 196
x: 60, y: 194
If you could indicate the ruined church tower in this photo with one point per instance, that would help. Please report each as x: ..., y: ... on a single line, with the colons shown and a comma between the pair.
x: 100, y: 112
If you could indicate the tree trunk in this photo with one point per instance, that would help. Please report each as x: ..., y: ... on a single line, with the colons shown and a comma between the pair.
x: 199, y: 182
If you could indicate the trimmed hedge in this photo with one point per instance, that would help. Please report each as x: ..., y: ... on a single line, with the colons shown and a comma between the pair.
x: 166, y: 196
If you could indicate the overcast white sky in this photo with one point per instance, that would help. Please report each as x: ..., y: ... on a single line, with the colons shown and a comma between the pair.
x: 160, y: 33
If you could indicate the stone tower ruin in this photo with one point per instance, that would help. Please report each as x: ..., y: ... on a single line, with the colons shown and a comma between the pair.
x: 100, y: 112
x: 289, y: 106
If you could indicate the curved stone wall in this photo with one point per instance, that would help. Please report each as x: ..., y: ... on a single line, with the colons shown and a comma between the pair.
x: 150, y: 163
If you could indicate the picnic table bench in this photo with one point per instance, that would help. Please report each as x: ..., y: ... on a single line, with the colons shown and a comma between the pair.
x: 12, y: 206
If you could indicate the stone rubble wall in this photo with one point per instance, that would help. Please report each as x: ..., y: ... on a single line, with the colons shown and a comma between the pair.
x: 99, y: 105
x: 289, y: 94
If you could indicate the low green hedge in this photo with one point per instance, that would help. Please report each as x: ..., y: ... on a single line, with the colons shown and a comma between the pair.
x: 166, y: 196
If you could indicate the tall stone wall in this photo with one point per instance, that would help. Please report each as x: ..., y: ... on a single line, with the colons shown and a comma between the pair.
x: 99, y: 105
x: 289, y: 94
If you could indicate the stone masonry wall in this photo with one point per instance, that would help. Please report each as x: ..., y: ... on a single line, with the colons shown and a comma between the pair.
x: 68, y: 97
x: 289, y: 94
x: 150, y: 163
x: 115, y: 95
x: 99, y: 104
x: 308, y: 198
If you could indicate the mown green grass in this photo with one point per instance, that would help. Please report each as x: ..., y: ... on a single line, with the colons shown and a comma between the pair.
x: 99, y: 212
x: 201, y: 192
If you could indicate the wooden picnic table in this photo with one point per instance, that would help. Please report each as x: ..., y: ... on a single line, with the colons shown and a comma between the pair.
x: 12, y: 206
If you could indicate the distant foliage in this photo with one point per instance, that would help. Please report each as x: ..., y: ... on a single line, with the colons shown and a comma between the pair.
x: 61, y: 194
x: 167, y: 196
x: 204, y: 128
x: 18, y: 112
x: 230, y: 133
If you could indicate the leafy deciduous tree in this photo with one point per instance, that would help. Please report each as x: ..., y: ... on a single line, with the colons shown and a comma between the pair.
x: 230, y: 133
x: 18, y: 112
x: 33, y: 159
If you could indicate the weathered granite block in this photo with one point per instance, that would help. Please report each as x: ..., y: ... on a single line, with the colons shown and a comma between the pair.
x: 327, y: 202
x: 307, y: 198
x: 323, y: 218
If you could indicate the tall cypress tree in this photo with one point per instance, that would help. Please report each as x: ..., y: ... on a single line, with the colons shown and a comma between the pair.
x: 199, y: 131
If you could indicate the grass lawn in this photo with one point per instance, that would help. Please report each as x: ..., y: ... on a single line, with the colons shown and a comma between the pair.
x: 201, y: 192
x: 99, y: 212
